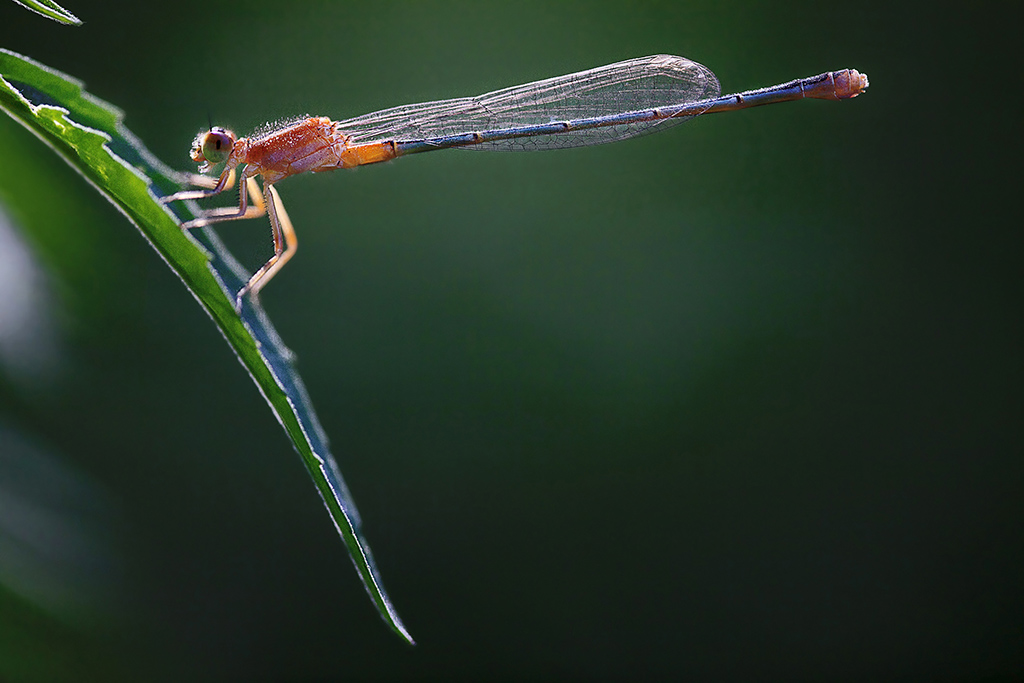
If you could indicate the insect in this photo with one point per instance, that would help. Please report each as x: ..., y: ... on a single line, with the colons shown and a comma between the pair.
x: 609, y: 103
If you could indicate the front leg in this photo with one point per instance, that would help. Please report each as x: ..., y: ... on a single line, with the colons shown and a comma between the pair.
x: 226, y: 180
x: 246, y: 190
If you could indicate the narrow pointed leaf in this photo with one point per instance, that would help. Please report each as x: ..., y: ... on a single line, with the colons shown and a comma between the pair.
x: 88, y: 133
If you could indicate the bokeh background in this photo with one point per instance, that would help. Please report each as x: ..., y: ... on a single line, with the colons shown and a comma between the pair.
x: 738, y: 401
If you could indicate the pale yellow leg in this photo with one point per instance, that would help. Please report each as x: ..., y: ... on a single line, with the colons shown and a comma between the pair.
x: 214, y: 187
x: 285, y: 244
x: 242, y: 212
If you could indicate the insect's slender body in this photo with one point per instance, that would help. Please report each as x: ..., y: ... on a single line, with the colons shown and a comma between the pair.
x: 601, y: 105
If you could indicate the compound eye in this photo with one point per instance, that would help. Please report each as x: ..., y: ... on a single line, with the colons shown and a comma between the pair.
x: 216, y: 145
x: 212, y: 147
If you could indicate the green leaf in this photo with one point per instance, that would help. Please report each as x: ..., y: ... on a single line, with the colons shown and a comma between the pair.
x: 50, y: 10
x: 88, y: 133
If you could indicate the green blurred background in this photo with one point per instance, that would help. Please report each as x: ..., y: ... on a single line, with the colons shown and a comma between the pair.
x: 739, y: 401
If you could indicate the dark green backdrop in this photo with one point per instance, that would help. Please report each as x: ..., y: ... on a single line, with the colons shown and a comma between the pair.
x: 741, y: 400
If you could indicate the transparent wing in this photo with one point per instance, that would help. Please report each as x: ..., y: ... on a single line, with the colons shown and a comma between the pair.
x: 633, y: 85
